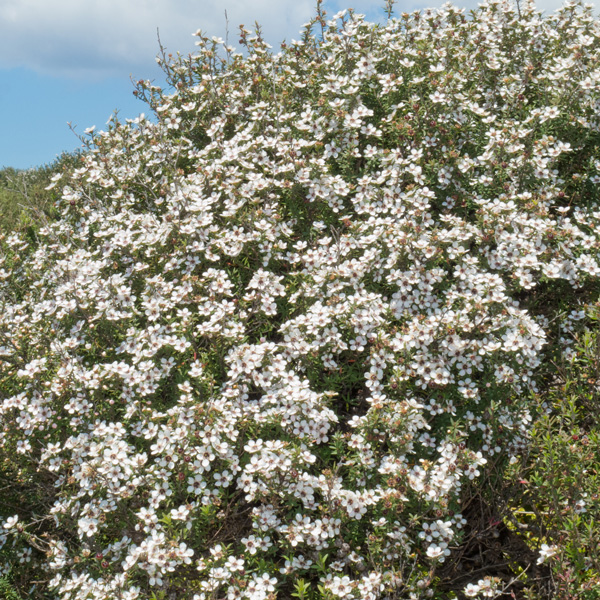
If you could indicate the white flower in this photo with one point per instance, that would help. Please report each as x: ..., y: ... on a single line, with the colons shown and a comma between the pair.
x: 438, y: 551
x: 88, y: 526
x: 546, y: 552
x: 437, y: 97
x: 472, y: 590
x: 11, y: 522
x: 180, y: 513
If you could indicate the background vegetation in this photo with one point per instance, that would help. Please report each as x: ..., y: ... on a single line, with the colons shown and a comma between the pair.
x: 24, y: 200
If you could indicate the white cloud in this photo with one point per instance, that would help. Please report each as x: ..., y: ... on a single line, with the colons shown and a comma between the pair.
x: 107, y: 37
x: 97, y: 38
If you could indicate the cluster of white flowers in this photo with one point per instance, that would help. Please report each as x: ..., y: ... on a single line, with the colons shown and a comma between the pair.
x: 488, y: 587
x: 275, y: 332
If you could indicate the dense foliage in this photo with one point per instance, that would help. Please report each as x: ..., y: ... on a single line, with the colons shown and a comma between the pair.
x: 24, y: 199
x: 277, y: 341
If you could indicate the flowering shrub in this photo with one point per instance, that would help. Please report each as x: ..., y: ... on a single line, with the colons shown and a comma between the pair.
x: 275, y: 334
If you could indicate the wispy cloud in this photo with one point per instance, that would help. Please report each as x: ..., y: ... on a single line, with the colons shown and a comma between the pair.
x: 106, y: 37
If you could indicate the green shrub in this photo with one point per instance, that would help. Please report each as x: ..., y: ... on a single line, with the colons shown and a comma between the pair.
x: 556, y: 498
x: 7, y: 591
x: 24, y: 200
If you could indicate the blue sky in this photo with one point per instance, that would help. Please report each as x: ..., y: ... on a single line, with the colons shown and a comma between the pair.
x: 72, y: 61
